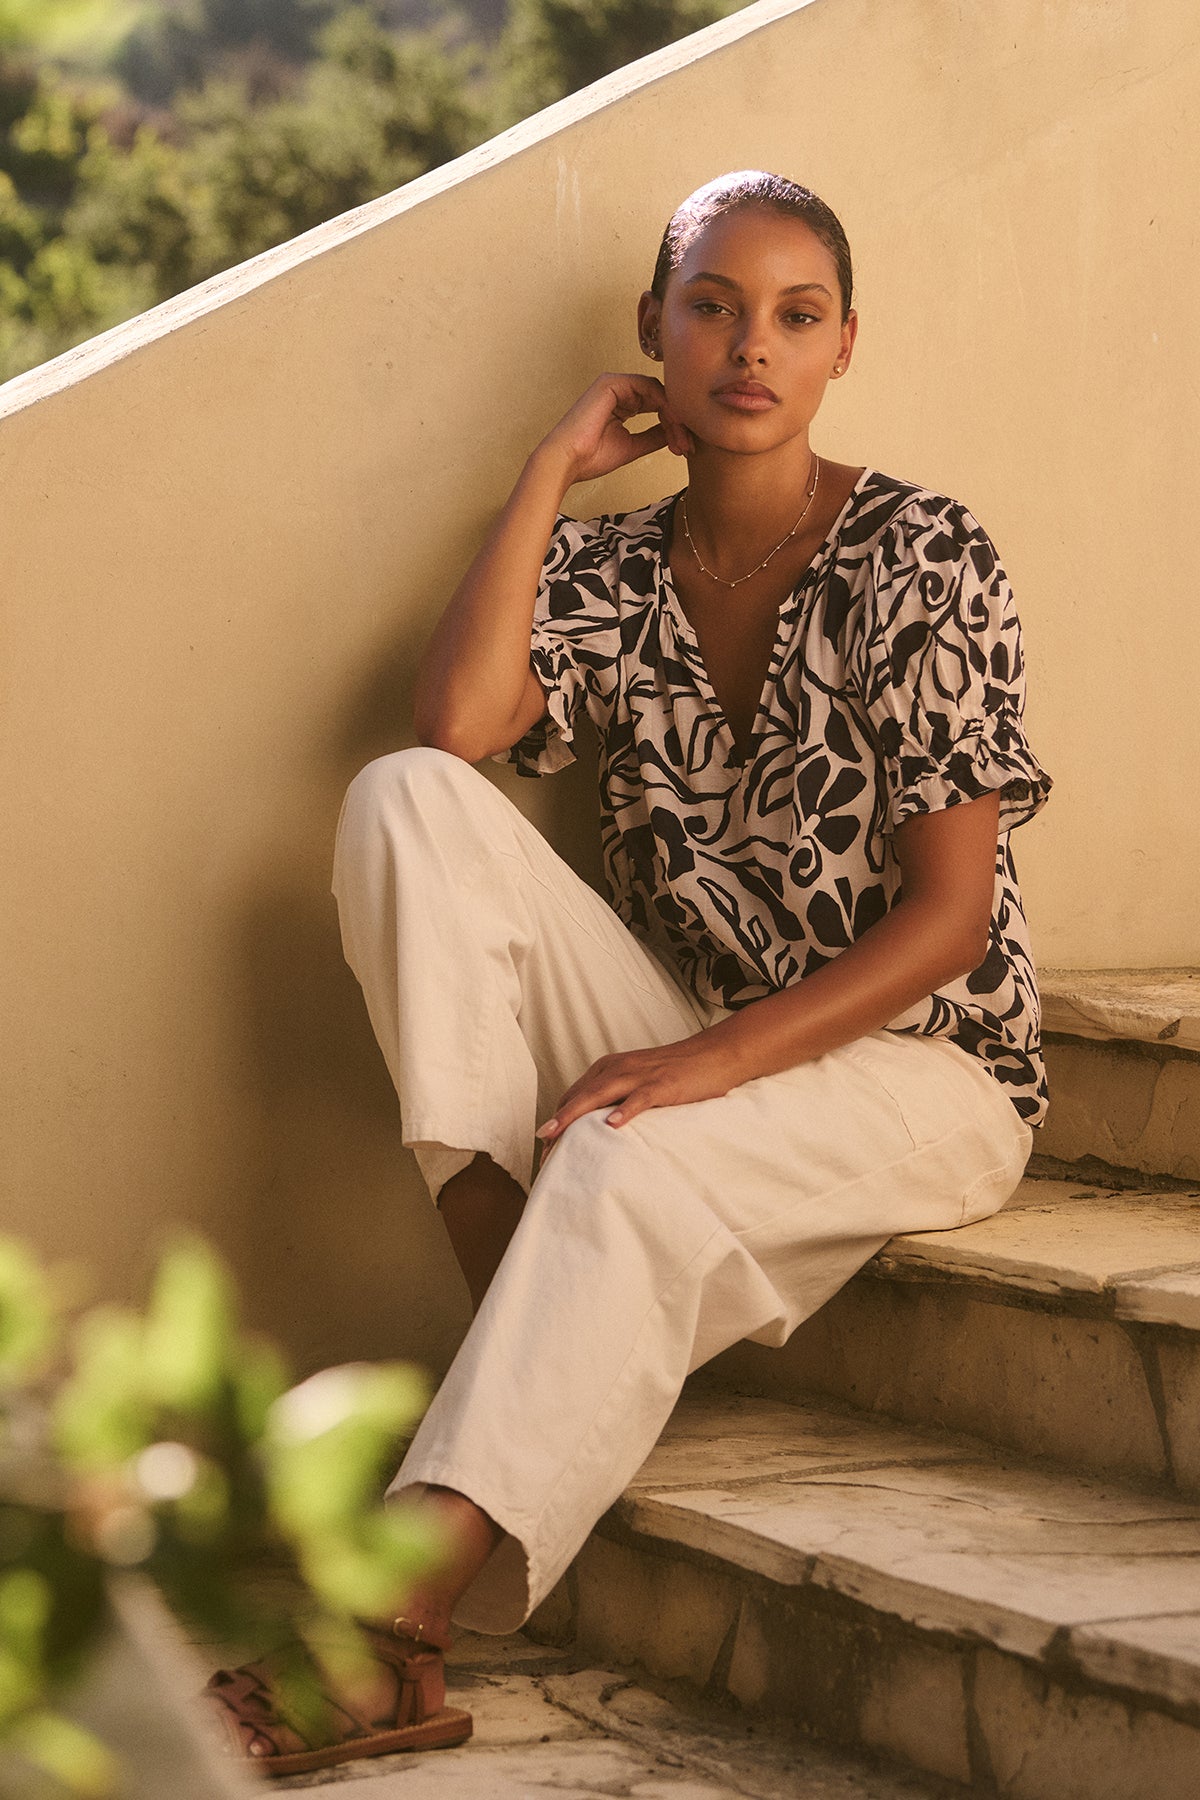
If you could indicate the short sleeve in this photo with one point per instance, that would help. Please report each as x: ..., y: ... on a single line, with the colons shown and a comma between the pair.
x: 940, y: 670
x: 574, y: 646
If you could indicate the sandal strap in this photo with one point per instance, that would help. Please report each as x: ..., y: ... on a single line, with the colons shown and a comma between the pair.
x: 255, y: 1721
x: 420, y: 1674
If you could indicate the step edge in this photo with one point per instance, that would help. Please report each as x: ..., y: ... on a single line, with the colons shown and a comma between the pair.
x: 1136, y: 1015
x: 1072, y: 1657
x: 659, y: 1518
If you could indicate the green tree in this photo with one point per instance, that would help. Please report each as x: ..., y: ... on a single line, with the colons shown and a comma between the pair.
x: 372, y: 113
x: 24, y: 22
x: 54, y: 290
x: 551, y: 48
x: 180, y: 43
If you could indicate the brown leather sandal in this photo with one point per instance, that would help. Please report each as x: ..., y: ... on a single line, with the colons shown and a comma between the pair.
x: 418, y: 1718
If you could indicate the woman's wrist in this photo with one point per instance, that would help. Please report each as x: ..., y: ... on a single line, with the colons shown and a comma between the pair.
x: 745, y: 1044
x: 553, y: 465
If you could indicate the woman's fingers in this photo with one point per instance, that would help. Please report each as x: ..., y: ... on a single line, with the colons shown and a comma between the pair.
x: 626, y: 1094
x: 680, y: 441
x: 641, y: 443
x: 702, y: 1067
x: 635, y: 393
x: 596, y: 428
x: 639, y: 1100
x: 604, y: 1084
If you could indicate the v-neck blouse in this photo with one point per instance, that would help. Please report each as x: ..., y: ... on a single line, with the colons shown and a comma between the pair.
x: 895, y: 687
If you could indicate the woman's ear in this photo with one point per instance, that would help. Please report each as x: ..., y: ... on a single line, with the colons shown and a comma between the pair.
x: 649, y: 325
x: 846, y: 347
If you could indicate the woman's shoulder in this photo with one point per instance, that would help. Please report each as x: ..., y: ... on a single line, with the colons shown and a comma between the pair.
x: 909, y: 514
x: 618, y: 532
x: 904, y: 519
x: 598, y: 568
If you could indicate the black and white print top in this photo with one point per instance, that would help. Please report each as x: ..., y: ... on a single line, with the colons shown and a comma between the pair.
x: 895, y: 687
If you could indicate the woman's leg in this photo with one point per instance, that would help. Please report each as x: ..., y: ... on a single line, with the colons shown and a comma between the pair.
x: 646, y: 1250
x: 481, y: 1207
x: 493, y: 975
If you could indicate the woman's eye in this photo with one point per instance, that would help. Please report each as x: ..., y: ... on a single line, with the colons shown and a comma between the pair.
x: 709, y: 306
x: 802, y: 318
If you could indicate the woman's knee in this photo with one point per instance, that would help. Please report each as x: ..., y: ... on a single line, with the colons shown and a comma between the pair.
x: 415, y: 777
x: 597, y: 1164
x: 418, y: 809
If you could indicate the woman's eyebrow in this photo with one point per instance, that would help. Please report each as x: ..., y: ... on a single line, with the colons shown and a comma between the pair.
x: 800, y: 287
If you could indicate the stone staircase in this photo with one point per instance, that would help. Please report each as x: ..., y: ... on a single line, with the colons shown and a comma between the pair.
x: 957, y: 1518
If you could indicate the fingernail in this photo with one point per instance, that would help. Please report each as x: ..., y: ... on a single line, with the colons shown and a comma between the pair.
x: 548, y: 1129
x: 616, y: 1118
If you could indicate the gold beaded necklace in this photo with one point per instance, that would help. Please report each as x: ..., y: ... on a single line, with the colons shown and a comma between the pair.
x: 738, y: 580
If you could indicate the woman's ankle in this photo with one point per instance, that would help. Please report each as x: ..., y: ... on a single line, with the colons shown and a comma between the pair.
x: 428, y: 1622
x: 470, y: 1536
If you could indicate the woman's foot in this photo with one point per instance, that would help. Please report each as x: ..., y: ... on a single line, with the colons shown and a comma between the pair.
x: 267, y: 1711
x: 404, y: 1708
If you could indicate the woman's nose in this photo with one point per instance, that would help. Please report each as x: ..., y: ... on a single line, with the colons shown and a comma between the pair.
x: 749, y: 346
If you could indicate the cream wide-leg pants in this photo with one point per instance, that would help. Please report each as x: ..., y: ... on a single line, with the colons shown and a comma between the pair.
x: 494, y: 977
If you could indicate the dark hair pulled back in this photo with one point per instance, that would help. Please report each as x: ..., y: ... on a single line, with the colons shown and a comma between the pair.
x: 753, y: 187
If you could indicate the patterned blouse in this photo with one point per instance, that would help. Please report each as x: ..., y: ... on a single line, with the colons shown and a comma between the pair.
x: 895, y: 687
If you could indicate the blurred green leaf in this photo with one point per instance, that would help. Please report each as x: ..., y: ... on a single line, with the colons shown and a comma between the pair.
x: 328, y: 1440
x: 25, y: 1604
x: 27, y: 1322
x: 102, y: 1415
x: 68, y: 1753
x: 362, y: 1570
x: 260, y: 1378
x: 190, y: 1338
x: 185, y: 1455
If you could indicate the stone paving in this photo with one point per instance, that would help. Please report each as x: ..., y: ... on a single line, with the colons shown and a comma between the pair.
x: 546, y: 1726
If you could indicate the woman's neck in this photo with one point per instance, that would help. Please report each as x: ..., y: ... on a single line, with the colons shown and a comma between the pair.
x: 736, y: 504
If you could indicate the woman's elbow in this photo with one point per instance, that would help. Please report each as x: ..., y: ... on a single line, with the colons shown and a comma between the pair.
x: 968, y: 948
x: 459, y: 733
x: 448, y: 735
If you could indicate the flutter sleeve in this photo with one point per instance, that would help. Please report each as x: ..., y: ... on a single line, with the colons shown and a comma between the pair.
x: 941, y: 673
x: 574, y: 647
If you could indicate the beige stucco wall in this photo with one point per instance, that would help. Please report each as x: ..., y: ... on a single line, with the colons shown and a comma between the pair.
x: 227, y: 526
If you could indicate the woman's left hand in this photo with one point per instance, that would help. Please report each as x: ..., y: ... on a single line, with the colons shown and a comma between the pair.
x: 697, y: 1068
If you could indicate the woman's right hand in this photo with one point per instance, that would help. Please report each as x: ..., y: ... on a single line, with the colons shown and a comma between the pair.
x: 592, y: 438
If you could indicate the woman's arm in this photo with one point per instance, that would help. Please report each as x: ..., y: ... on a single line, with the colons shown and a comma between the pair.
x: 476, y: 694
x: 936, y: 932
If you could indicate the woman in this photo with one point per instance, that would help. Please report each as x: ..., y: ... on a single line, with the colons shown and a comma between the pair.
x: 809, y: 1020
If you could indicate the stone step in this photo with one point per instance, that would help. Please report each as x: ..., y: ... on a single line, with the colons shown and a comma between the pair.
x: 1068, y: 1326
x: 984, y: 1617
x: 546, y: 1729
x: 1123, y: 1058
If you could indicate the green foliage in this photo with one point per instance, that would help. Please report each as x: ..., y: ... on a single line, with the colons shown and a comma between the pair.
x: 553, y: 47
x: 173, y: 1444
x: 27, y: 1321
x: 38, y: 21
x: 282, y: 114
x: 323, y: 1444
x: 181, y: 44
x: 372, y: 114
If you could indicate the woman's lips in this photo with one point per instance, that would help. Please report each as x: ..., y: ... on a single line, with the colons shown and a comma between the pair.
x: 746, y: 396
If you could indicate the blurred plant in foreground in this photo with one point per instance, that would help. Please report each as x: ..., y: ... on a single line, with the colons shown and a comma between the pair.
x: 169, y: 1442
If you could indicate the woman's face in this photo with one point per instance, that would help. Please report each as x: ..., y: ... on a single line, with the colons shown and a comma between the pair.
x: 750, y: 330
